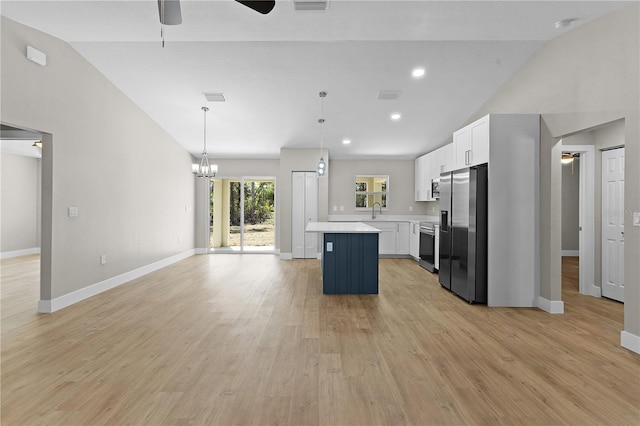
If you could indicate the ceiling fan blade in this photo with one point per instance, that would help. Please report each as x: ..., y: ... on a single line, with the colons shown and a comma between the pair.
x: 172, y: 14
x: 263, y: 7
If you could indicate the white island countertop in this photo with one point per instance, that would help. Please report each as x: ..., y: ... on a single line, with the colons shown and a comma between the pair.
x: 341, y: 228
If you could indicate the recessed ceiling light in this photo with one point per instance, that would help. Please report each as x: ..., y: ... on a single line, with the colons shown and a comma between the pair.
x: 346, y: 141
x: 418, y: 72
x: 395, y: 116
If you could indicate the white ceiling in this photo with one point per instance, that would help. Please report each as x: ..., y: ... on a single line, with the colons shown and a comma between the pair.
x: 271, y: 67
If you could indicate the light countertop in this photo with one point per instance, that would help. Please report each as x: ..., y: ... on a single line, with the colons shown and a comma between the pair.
x: 382, y: 218
x: 341, y: 228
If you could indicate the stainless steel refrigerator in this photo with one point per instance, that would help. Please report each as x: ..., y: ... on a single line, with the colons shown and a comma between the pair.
x: 463, y: 233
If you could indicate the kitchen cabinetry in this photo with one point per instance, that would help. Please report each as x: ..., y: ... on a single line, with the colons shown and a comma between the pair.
x: 471, y: 144
x: 387, y: 241
x: 446, y: 158
x: 394, y: 238
x: 422, y: 189
x: 428, y: 167
x: 402, y: 238
x: 414, y: 240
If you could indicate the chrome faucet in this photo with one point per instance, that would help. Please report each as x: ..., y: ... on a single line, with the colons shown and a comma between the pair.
x: 373, y: 209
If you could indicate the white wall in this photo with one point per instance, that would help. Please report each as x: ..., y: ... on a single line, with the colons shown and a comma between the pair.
x: 132, y: 183
x: 401, y: 185
x: 582, y: 79
x: 19, y: 204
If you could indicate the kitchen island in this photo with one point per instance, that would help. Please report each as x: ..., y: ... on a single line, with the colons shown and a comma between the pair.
x: 349, y: 257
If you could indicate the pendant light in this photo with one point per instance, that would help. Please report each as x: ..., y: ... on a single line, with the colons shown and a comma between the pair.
x: 204, y: 169
x: 321, y: 170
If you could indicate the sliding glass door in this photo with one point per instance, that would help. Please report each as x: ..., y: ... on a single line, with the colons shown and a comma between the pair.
x: 242, y: 215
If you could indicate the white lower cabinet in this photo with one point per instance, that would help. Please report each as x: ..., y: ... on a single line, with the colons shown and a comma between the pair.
x: 394, y: 238
x: 402, y: 238
x: 387, y: 238
x: 414, y: 240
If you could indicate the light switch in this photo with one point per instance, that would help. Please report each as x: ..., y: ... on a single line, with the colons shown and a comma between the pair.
x: 73, y: 211
x: 329, y: 246
x: 636, y: 218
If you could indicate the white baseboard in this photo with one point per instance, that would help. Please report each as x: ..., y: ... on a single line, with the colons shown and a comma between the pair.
x: 551, y: 306
x: 48, y: 306
x: 286, y: 256
x: 596, y: 291
x: 18, y: 253
x: 571, y: 252
x: 630, y: 341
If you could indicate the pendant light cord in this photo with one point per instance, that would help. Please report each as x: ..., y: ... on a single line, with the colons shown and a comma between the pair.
x: 321, y: 121
x: 162, y: 22
x: 205, y: 109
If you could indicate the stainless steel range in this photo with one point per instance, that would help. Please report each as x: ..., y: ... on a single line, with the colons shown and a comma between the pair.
x: 428, y: 246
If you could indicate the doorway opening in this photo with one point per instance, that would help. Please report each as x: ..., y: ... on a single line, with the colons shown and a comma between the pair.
x: 589, y: 146
x: 27, y: 171
x: 242, y: 215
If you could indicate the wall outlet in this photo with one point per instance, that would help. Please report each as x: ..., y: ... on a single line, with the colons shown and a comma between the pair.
x: 410, y: 208
x: 636, y: 218
x: 73, y: 211
x: 341, y: 208
x: 335, y: 208
x: 433, y: 209
x: 329, y: 246
x: 103, y: 259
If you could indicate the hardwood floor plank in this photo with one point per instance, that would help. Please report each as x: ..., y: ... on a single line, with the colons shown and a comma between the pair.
x: 251, y: 340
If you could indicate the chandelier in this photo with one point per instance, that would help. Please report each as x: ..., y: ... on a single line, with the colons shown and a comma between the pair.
x: 204, y: 169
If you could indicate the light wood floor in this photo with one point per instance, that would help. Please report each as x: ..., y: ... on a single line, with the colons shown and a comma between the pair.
x: 250, y: 339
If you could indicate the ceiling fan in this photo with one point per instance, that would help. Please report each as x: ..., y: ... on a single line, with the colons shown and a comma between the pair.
x: 170, y: 14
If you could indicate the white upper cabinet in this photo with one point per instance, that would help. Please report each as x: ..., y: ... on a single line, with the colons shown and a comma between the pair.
x: 445, y: 155
x: 471, y: 144
x: 422, y: 180
x: 428, y: 167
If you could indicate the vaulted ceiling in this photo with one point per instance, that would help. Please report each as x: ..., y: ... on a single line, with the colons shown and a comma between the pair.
x: 272, y: 67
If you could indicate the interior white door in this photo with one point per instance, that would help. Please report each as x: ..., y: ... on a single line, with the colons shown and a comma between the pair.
x: 311, y: 214
x: 613, y: 224
x: 304, y: 209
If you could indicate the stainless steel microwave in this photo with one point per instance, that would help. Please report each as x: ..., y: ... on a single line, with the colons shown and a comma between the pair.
x: 435, y: 188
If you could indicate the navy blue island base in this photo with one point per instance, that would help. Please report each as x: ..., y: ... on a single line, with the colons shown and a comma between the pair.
x: 350, y: 263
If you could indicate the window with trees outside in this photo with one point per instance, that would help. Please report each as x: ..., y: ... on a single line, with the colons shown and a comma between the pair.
x: 370, y: 190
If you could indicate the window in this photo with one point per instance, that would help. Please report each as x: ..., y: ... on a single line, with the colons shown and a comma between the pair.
x: 370, y: 190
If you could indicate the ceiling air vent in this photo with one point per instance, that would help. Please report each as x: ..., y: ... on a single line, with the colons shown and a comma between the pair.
x: 310, y: 4
x: 389, y: 95
x: 215, y: 97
